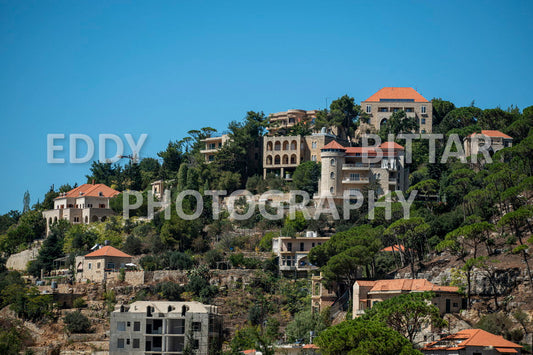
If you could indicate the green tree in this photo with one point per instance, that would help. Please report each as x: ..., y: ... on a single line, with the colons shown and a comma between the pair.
x: 360, y: 336
x: 343, y: 115
x: 440, y: 110
x: 26, y: 202
x: 306, y: 176
x: 76, y: 322
x: 398, y: 123
x: 412, y: 234
x: 407, y: 314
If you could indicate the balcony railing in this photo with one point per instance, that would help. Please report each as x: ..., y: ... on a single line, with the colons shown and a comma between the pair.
x: 361, y: 180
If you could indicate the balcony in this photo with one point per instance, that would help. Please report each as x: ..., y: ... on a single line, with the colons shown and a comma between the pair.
x: 361, y: 180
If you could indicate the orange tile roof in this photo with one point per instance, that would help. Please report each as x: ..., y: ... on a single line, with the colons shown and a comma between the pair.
x: 334, y: 145
x: 393, y: 93
x: 492, y: 133
x: 419, y: 285
x: 391, y: 145
x: 396, y: 247
x: 475, y: 337
x: 91, y: 190
x: 108, y: 251
x: 311, y: 346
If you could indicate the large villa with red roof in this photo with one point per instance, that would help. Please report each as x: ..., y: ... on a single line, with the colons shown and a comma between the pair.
x: 347, y: 170
x: 388, y: 100
x: 493, y: 141
x: 84, y: 204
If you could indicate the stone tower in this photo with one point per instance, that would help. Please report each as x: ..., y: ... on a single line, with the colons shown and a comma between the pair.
x: 332, y: 157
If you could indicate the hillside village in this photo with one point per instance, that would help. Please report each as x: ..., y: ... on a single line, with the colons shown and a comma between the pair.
x: 452, y: 276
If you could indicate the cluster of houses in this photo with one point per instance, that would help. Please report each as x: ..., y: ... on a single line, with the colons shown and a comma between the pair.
x: 172, y: 327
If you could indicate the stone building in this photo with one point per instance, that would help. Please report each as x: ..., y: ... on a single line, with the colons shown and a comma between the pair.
x: 283, y: 154
x: 162, y: 327
x: 96, y: 265
x: 367, y: 293
x: 350, y: 169
x: 280, y: 122
x: 497, y: 140
x: 212, y: 145
x: 388, y: 100
x: 293, y: 253
x: 84, y: 204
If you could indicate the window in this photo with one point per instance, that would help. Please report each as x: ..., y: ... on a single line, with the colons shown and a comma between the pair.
x: 332, y: 175
x: 289, y: 246
x: 368, y: 108
x: 383, y: 109
x: 128, y: 341
x: 136, y: 326
x: 110, y: 265
x: 196, y: 326
x: 90, y: 266
x: 220, y: 145
x: 97, y: 265
x: 395, y: 109
x: 128, y: 324
x: 136, y: 344
x: 332, y: 162
x: 211, y: 157
x: 313, y: 145
x: 313, y: 157
x: 312, y: 245
x: 120, y: 343
x: 212, y: 146
x: 302, y: 248
x: 121, y: 326
x: 423, y: 109
x: 354, y: 177
x: 423, y: 121
x: 409, y: 109
x: 195, y: 344
x: 331, y: 189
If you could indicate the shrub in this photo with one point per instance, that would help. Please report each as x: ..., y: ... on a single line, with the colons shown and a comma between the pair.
x: 79, y: 303
x: 76, y: 322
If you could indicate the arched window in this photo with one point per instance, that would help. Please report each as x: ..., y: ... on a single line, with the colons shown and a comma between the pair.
x: 383, y: 122
x: 293, y: 145
x: 332, y: 162
x: 276, y: 160
x: 332, y: 175
x: 269, y: 160
x: 269, y: 146
x: 277, y: 146
x: 285, y: 159
x: 293, y: 159
x: 285, y: 145
x: 331, y: 189
x: 94, y: 219
x: 86, y: 219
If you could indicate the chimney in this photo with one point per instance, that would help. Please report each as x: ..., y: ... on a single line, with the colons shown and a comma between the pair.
x: 93, y: 181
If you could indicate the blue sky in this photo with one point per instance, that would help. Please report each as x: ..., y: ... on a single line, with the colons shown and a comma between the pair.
x: 165, y: 67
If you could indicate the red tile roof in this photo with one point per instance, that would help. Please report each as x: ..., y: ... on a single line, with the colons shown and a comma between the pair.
x: 391, y: 145
x: 311, y: 346
x: 492, y: 133
x: 91, y: 190
x: 419, y: 285
x: 334, y: 145
x: 392, y: 93
x: 108, y: 251
x: 396, y: 247
x: 474, y: 337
